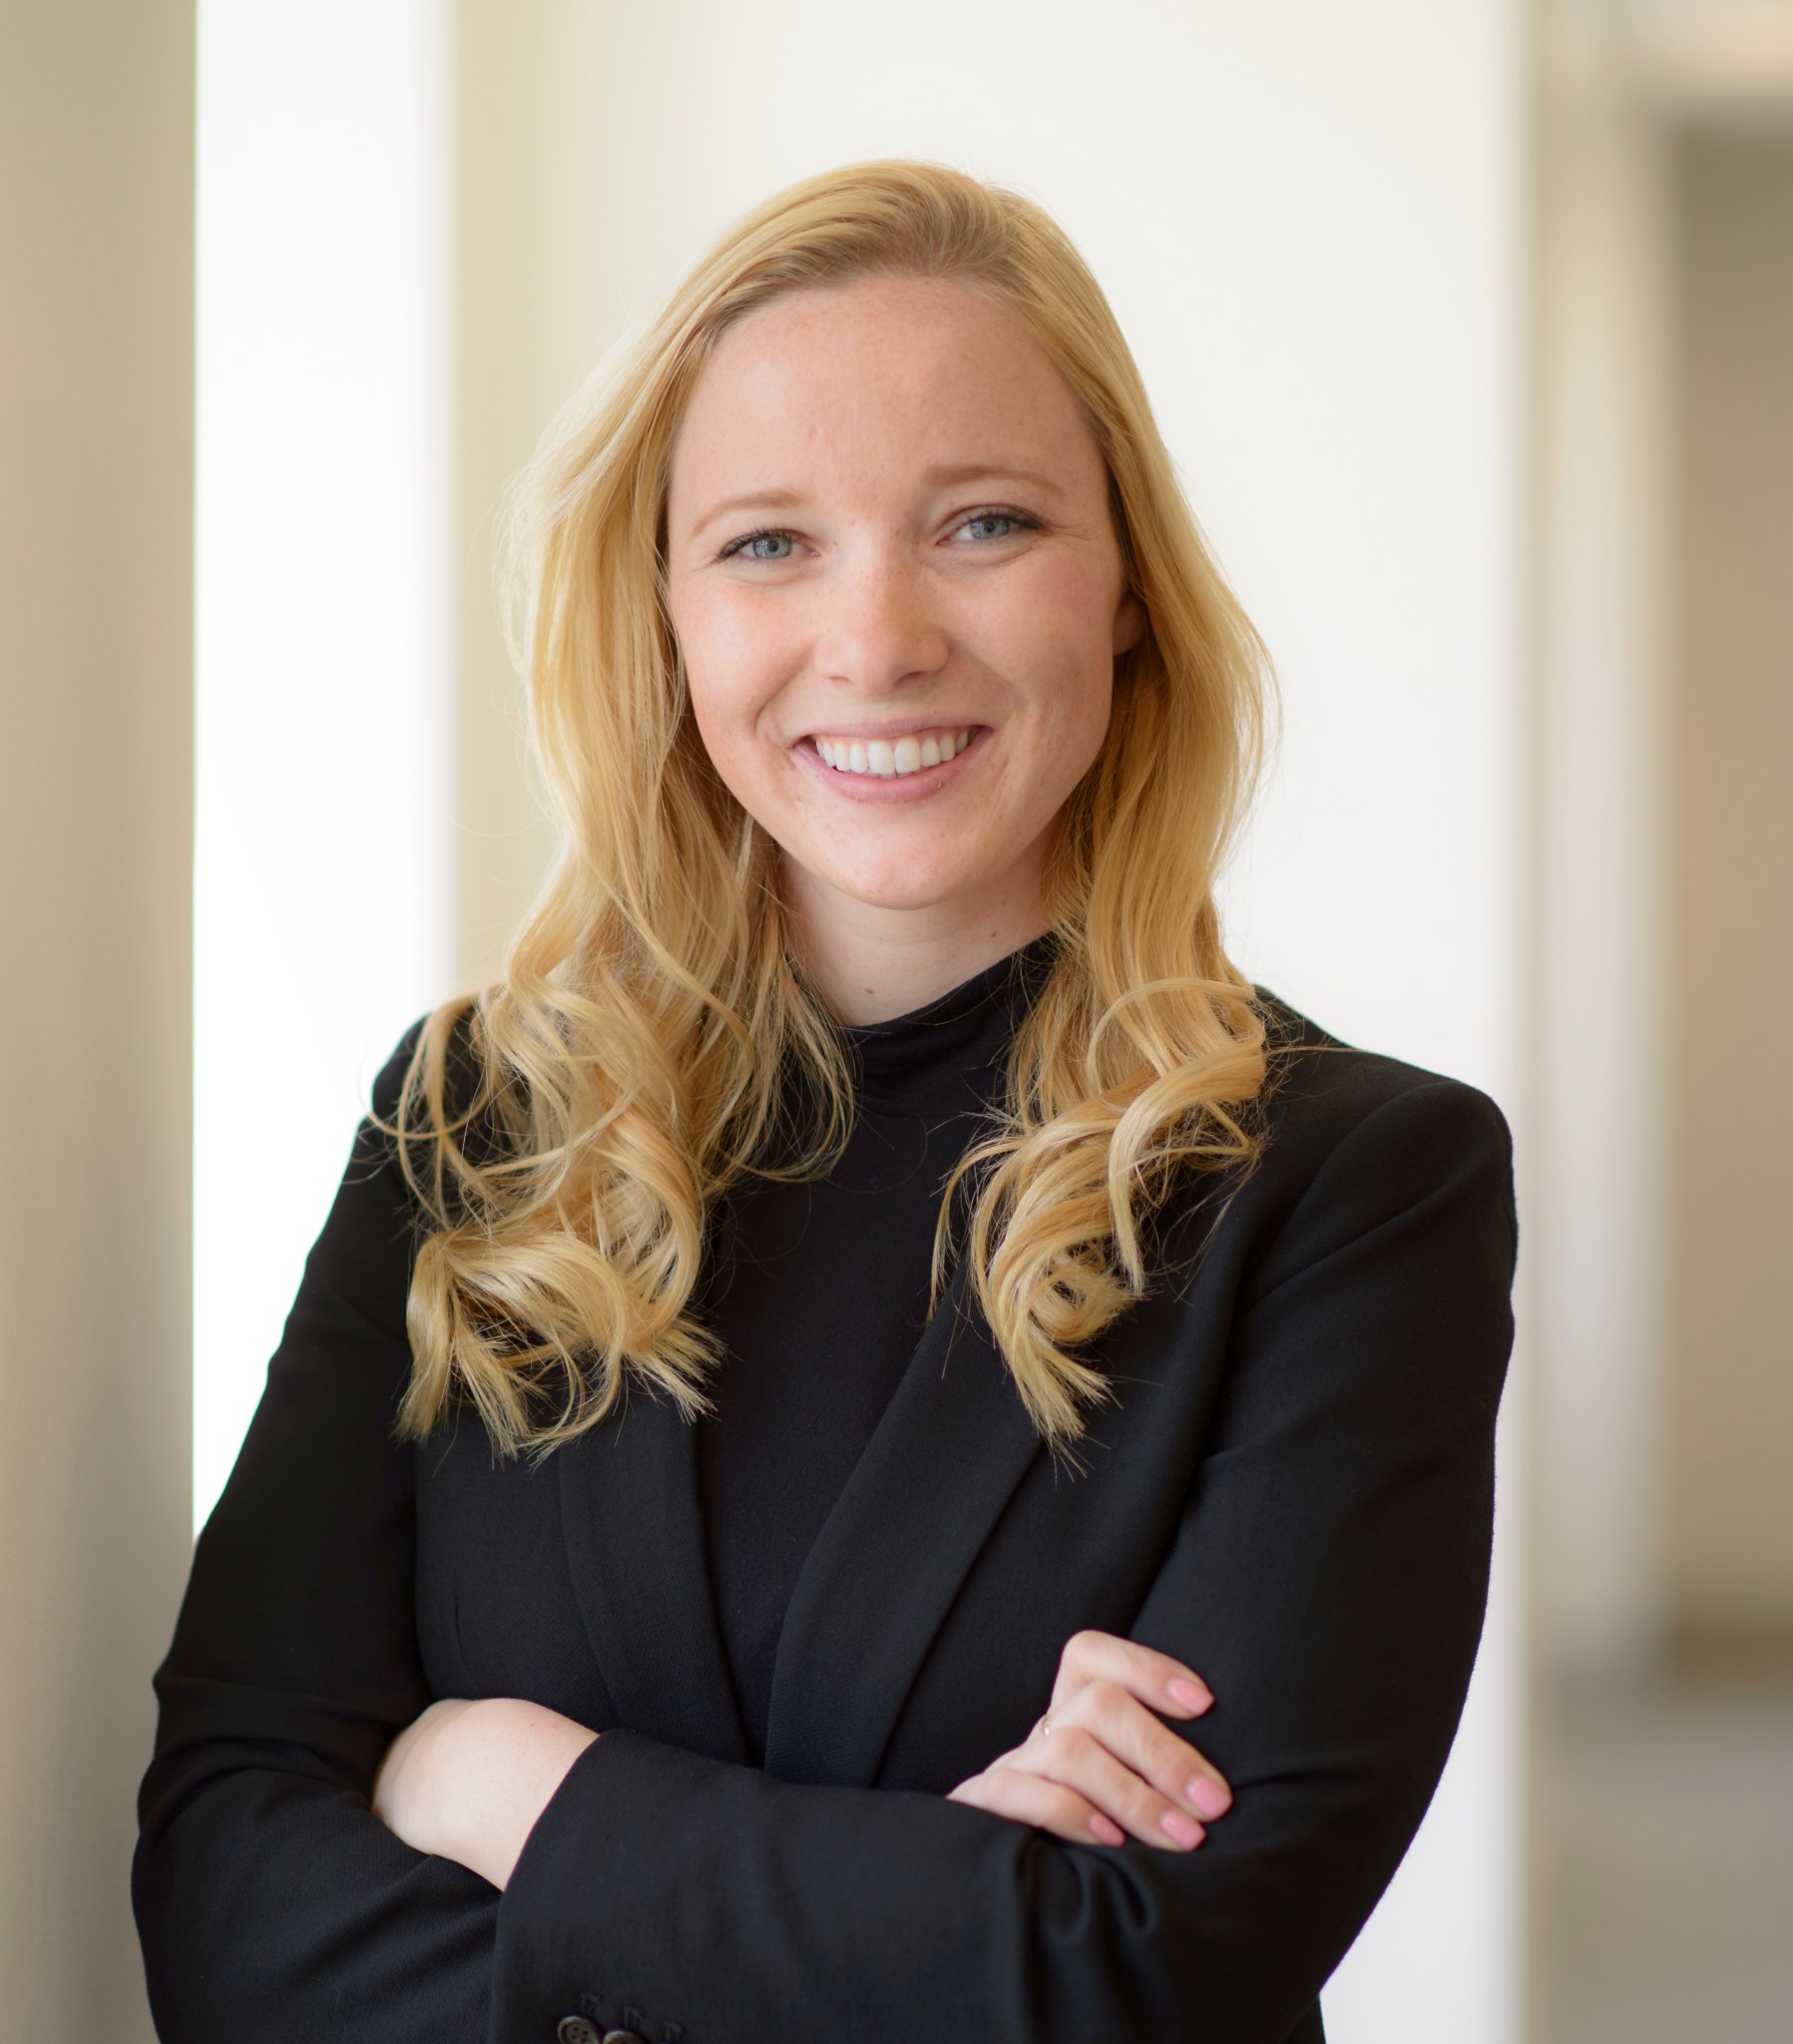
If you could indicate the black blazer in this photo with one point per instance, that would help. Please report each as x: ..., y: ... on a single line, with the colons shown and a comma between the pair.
x: 1293, y: 1493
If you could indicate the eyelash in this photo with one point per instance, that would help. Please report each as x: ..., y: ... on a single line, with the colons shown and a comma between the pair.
x: 1022, y: 519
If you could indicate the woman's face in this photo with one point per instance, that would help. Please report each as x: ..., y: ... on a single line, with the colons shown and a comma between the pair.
x: 888, y: 528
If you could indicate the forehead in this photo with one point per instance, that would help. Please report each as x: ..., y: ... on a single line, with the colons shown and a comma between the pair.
x: 900, y: 371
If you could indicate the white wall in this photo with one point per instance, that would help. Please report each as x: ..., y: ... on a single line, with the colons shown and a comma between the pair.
x: 1309, y: 218
x: 95, y: 643
x: 323, y: 897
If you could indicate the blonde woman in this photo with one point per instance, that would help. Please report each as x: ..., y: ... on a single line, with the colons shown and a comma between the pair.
x: 877, y: 1443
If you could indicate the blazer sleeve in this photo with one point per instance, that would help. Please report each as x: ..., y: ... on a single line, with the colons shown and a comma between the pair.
x: 1328, y: 1577
x: 270, y: 1901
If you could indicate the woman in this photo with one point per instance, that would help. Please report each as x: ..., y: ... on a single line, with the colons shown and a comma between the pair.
x: 876, y: 1443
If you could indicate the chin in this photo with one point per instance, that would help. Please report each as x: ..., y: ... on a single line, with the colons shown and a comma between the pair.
x: 907, y: 899
x: 900, y: 889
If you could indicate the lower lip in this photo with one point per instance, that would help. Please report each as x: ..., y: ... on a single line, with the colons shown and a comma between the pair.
x: 894, y: 787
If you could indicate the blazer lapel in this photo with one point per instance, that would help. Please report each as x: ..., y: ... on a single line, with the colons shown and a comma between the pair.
x: 635, y: 1543
x: 945, y: 1458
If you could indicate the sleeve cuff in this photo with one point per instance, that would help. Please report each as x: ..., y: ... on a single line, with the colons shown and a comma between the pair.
x: 580, y: 1879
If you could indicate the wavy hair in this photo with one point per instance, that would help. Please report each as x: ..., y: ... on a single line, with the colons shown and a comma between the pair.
x: 568, y: 1130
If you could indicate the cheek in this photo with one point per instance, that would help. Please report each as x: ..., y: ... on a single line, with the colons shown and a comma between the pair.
x: 1053, y: 634
x: 729, y: 662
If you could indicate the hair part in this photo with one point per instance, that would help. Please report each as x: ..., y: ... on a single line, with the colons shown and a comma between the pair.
x: 568, y: 1130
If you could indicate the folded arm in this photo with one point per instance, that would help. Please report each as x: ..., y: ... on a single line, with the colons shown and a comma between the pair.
x: 1327, y: 1579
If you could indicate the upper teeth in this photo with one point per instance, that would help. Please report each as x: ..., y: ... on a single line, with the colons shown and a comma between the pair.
x: 888, y: 757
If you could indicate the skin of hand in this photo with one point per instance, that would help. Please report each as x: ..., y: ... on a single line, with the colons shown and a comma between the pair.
x: 1108, y: 1766
x: 467, y: 1780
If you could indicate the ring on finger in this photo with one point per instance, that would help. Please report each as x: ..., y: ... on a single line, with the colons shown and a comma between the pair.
x: 1044, y: 1728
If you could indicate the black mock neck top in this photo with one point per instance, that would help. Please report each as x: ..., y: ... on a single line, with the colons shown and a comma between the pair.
x: 820, y: 1292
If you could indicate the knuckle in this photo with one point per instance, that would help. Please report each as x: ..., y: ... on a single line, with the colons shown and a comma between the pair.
x: 1078, y: 1740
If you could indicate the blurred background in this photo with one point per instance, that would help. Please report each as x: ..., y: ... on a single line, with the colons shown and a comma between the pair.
x: 1470, y: 323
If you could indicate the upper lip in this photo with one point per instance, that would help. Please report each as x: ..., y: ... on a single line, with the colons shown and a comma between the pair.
x: 906, y: 728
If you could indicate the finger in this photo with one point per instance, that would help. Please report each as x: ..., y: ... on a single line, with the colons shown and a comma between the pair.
x: 1030, y: 1799
x: 1143, y: 1743
x: 1160, y: 1681
x: 1076, y: 1758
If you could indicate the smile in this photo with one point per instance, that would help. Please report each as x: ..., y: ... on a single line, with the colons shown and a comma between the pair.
x: 894, y: 759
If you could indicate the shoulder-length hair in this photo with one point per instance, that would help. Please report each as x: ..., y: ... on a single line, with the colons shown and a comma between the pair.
x: 568, y: 1130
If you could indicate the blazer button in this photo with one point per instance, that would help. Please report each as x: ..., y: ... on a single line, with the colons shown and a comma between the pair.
x: 576, y: 2030
x: 621, y: 2037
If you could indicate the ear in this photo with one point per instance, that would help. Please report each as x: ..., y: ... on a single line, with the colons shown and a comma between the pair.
x: 1129, y: 623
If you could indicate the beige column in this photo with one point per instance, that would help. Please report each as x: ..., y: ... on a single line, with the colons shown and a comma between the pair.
x: 96, y: 740
x: 1598, y: 1244
x: 1729, y: 1406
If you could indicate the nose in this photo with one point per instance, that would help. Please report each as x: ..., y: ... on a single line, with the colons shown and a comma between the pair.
x: 880, y: 626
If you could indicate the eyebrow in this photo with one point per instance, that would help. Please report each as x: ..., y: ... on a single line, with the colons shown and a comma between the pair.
x: 939, y: 477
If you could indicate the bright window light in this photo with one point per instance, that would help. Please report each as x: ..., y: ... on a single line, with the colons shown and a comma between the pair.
x: 323, y: 603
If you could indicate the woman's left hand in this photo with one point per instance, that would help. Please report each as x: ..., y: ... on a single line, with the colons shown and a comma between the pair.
x: 467, y: 1780
x: 1100, y: 1764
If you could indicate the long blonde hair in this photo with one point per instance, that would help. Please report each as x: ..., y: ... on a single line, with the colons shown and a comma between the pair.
x: 568, y: 1130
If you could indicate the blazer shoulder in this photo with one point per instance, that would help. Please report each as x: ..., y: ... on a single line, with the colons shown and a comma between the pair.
x: 1319, y: 1090
x: 1347, y: 1138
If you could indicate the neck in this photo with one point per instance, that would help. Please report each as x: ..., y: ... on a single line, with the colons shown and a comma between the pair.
x: 874, y: 964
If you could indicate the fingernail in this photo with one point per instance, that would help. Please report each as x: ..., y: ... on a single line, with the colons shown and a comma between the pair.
x: 1192, y: 1695
x: 1106, y: 1830
x: 1184, y: 1829
x: 1209, y: 1796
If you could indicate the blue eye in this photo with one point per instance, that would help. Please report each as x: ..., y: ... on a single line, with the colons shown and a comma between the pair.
x: 753, y: 546
x: 988, y: 526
